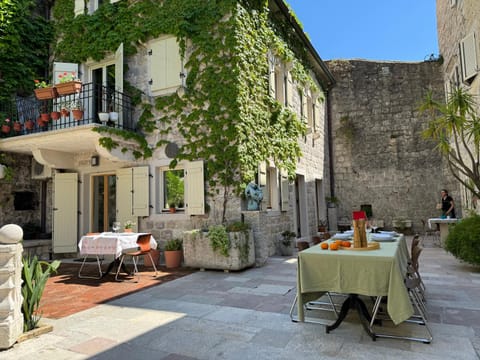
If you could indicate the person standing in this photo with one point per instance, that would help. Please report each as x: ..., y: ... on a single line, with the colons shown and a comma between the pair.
x: 448, y: 206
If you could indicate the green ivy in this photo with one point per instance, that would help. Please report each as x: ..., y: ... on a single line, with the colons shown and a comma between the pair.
x: 226, y: 115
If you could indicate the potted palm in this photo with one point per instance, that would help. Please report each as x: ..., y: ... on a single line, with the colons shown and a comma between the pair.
x: 173, y: 253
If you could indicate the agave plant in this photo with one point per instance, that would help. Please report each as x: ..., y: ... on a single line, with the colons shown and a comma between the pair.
x: 35, y: 274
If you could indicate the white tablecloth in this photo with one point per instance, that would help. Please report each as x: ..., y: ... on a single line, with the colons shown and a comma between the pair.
x: 110, y: 243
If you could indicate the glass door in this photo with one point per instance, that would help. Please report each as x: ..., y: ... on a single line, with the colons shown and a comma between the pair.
x: 103, y: 202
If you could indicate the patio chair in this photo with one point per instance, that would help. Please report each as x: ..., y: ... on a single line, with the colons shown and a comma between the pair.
x: 431, y: 235
x: 412, y: 283
x: 143, y: 248
x: 98, y: 259
x: 320, y: 305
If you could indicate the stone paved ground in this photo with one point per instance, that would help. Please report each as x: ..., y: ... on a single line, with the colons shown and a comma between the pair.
x: 244, y: 315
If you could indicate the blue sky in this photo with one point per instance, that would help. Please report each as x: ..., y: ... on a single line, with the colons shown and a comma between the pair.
x: 403, y: 30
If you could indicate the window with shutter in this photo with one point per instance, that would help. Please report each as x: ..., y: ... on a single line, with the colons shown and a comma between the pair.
x: 182, y: 188
x: 284, y: 191
x: 166, y: 70
x: 468, y: 55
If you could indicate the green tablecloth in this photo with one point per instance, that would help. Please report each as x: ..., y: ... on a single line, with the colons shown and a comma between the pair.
x: 370, y: 273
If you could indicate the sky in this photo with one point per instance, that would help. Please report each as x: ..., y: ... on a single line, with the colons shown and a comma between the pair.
x: 401, y: 30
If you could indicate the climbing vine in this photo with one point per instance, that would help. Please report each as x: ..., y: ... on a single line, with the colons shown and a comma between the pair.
x: 226, y: 115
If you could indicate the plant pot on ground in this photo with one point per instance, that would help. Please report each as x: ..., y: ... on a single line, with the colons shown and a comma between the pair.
x: 286, y: 243
x: 173, y: 253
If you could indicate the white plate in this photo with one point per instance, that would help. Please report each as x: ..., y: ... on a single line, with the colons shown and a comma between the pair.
x: 342, y: 236
x: 393, y: 233
x: 382, y: 237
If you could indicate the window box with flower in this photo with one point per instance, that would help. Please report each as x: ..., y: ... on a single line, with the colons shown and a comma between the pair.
x: 68, y: 84
x: 44, y: 91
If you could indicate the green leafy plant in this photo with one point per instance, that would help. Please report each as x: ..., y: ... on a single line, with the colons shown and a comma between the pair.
x: 287, y: 237
x: 174, y: 245
x: 237, y: 226
x: 129, y: 224
x: 41, y: 84
x: 219, y: 240
x: 463, y: 240
x: 35, y: 274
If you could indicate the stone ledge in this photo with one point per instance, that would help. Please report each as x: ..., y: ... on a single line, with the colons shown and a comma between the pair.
x: 40, y: 330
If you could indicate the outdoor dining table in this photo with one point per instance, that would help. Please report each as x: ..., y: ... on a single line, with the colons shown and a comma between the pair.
x: 372, y: 273
x: 443, y: 224
x: 108, y: 243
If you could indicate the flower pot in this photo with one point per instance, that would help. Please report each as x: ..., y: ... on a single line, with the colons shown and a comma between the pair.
x: 155, y: 256
x: 55, y: 115
x: 17, y: 126
x: 29, y: 124
x: 128, y: 230
x: 103, y: 116
x: 41, y: 122
x: 64, y: 112
x: 113, y: 116
x: 68, y: 88
x: 6, y: 129
x: 45, y: 117
x: 172, y: 210
x: 77, y: 114
x: 173, y: 259
x: 46, y: 93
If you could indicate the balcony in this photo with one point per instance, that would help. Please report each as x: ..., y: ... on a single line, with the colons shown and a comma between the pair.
x: 65, y: 134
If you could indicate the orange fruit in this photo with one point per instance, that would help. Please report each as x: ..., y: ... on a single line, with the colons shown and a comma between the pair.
x: 339, y: 242
x: 346, y: 244
x: 324, y: 245
x: 334, y: 246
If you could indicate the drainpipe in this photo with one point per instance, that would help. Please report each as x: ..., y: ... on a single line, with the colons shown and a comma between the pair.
x: 330, y: 145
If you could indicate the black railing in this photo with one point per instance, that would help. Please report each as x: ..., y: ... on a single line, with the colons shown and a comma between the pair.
x: 92, y: 99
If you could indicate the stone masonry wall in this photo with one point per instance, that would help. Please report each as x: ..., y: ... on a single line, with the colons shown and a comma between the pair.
x: 379, y: 156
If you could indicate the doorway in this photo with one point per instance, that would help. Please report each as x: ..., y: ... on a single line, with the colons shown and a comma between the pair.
x: 103, y: 79
x: 104, y: 203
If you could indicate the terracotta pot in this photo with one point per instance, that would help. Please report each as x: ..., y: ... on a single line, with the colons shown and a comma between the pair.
x: 173, y: 259
x: 55, y: 115
x: 46, y: 93
x: 45, y: 117
x: 68, y: 88
x: 155, y: 256
x: 64, y: 112
x: 17, y: 126
x: 172, y: 210
x: 77, y: 114
x: 128, y: 230
x: 6, y: 129
x: 41, y: 122
x: 29, y: 124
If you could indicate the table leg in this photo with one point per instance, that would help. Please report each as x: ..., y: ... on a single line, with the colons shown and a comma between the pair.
x: 353, y: 302
x: 115, y: 262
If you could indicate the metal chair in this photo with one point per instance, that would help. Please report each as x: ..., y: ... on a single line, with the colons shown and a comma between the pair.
x: 412, y: 283
x: 99, y: 263
x: 431, y: 235
x: 143, y: 248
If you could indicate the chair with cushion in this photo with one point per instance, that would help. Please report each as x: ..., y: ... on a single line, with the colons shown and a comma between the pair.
x: 143, y: 248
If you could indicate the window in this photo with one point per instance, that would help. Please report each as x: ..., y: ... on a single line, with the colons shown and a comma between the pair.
x: 468, y: 57
x: 166, y: 68
x: 91, y: 5
x: 174, y: 194
x: 182, y: 187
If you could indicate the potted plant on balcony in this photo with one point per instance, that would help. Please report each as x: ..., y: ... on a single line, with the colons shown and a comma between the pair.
x: 17, y: 126
x: 6, y: 125
x: 173, y: 253
x: 29, y: 124
x: 76, y: 108
x: 64, y: 108
x: 44, y: 91
x: 68, y: 84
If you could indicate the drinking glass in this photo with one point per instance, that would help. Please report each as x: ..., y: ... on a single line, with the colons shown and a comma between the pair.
x: 116, y: 226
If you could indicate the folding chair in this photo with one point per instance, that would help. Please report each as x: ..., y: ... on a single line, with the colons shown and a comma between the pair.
x: 143, y: 248
x: 99, y: 264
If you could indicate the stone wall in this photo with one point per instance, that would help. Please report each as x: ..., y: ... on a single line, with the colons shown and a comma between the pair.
x: 379, y: 156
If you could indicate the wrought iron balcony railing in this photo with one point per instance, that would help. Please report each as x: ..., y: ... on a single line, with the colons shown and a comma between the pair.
x: 29, y: 115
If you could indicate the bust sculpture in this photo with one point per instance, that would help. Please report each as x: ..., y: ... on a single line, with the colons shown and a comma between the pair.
x: 254, y: 196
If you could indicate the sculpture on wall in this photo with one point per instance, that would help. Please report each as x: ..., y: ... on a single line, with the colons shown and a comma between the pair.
x: 254, y: 196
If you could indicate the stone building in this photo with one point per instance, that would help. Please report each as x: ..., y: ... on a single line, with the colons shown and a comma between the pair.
x: 380, y: 161
x: 458, y: 30
x: 235, y: 77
